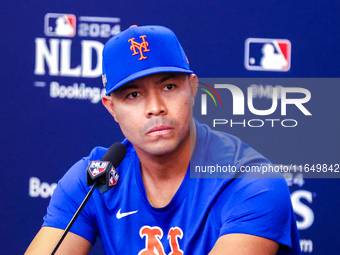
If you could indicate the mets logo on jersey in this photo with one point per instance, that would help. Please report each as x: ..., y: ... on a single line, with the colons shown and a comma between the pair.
x: 153, y: 244
x: 263, y: 54
x: 58, y: 24
x: 96, y: 167
x: 141, y: 47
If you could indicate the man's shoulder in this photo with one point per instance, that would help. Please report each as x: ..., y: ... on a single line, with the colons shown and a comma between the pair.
x: 209, y: 134
x: 75, y: 177
x: 97, y: 153
x: 79, y: 168
x: 219, y: 146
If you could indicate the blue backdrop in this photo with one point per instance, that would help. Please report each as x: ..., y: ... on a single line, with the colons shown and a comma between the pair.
x: 51, y: 113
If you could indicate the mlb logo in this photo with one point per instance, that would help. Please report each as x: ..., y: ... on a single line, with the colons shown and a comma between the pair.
x: 267, y: 54
x: 58, y: 24
x: 96, y: 167
x: 113, y: 178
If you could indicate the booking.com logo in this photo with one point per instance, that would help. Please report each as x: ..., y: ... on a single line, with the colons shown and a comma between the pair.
x: 204, y: 97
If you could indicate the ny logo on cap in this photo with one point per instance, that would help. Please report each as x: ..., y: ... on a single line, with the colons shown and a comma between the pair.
x: 142, y: 47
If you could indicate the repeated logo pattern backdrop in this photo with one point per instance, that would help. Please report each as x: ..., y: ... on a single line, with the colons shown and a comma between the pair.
x: 51, y: 113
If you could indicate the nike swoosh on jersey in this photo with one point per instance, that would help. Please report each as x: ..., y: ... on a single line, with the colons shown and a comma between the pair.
x: 120, y: 215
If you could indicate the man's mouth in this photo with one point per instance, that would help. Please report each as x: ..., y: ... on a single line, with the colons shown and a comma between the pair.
x: 159, y: 130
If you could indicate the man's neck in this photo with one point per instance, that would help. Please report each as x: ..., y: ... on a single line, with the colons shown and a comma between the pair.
x: 162, y: 175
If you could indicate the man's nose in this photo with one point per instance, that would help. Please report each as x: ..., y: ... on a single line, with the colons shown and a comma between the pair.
x: 155, y: 105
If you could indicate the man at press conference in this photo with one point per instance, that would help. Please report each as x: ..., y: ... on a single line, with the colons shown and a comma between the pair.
x: 155, y: 207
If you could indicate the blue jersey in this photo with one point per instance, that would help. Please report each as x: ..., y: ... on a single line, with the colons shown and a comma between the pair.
x: 202, y: 210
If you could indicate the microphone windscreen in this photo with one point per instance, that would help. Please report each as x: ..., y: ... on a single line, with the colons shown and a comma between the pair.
x: 115, y: 154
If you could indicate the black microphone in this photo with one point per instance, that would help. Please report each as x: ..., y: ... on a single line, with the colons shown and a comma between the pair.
x: 101, y: 174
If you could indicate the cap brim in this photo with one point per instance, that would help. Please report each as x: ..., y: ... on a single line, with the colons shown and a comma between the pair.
x: 159, y: 69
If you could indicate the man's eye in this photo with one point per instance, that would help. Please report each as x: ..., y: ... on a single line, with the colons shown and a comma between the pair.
x: 169, y: 86
x: 132, y: 95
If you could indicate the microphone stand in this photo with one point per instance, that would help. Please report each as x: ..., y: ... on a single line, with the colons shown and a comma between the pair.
x: 75, y: 216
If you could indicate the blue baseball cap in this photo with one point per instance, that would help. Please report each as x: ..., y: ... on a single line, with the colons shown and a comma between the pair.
x: 141, y: 51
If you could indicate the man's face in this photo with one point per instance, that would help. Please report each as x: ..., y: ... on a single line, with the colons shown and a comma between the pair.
x: 154, y: 112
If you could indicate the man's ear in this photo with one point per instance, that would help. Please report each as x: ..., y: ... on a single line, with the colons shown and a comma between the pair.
x: 108, y: 103
x: 193, y: 80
